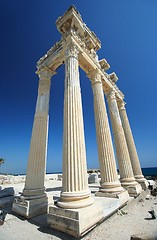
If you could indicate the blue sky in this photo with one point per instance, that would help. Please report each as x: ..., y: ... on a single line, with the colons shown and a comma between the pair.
x: 128, y: 33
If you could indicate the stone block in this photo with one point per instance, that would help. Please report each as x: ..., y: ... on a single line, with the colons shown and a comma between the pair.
x: 144, y: 184
x: 60, y: 177
x: 134, y: 191
x: 30, y: 207
x: 123, y: 197
x: 151, y: 184
x: 6, y: 201
x: 10, y: 191
x: 154, y: 192
x: 77, y: 222
x: 93, y: 178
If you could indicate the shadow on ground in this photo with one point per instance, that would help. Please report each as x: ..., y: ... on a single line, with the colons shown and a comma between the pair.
x: 53, y: 189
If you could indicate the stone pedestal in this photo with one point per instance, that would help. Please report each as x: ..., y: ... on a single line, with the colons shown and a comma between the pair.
x: 33, y: 200
x: 110, y: 185
x: 30, y: 207
x: 131, y: 146
x: 75, y: 192
x: 126, y: 172
x: 78, y: 222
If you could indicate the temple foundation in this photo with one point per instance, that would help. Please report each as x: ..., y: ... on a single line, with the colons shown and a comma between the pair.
x: 77, y: 222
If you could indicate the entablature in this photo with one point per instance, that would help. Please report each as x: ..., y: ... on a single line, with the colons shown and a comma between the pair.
x: 72, y: 21
x: 74, y: 31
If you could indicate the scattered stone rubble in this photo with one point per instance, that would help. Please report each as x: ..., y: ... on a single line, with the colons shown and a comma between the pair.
x: 8, y: 179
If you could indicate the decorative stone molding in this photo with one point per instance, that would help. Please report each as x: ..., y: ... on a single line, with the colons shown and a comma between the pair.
x: 71, y: 26
x: 104, y: 64
x: 72, y: 22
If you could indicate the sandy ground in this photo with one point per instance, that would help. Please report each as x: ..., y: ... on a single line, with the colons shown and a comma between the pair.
x: 134, y: 220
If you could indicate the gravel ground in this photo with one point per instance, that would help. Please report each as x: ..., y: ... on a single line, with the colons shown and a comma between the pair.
x: 136, y: 220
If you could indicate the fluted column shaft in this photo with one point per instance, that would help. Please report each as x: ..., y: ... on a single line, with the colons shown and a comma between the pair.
x: 109, y: 176
x: 126, y: 172
x: 130, y: 143
x: 35, y: 176
x: 75, y: 192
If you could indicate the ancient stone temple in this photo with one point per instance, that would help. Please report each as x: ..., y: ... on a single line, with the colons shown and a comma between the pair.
x: 77, y: 210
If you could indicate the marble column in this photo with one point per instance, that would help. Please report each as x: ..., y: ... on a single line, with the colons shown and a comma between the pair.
x: 131, y: 146
x: 75, y: 192
x: 33, y: 200
x: 110, y: 185
x: 125, y: 168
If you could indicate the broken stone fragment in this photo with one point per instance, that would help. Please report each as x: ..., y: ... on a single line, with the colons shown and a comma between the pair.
x: 10, y: 191
x: 153, y: 214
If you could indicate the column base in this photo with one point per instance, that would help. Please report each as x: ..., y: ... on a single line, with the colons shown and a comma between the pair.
x: 30, y: 206
x: 133, y: 187
x: 122, y: 196
x: 134, y: 191
x: 126, y: 182
x: 144, y: 184
x: 73, y: 200
x: 77, y: 222
x: 142, y: 181
x: 111, y: 188
x: 33, y: 192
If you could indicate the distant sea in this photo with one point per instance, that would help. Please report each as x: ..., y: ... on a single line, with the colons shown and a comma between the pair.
x: 152, y: 171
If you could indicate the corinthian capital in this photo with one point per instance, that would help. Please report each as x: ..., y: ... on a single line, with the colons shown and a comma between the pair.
x: 111, y: 94
x: 72, y: 51
x: 94, y: 76
x: 121, y: 104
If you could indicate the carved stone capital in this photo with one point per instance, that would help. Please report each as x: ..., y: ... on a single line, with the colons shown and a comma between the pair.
x: 121, y: 104
x: 111, y: 94
x: 72, y: 51
x: 45, y: 73
x: 94, y: 76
